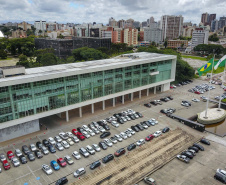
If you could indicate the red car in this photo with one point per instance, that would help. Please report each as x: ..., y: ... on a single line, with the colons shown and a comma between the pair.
x: 120, y: 152
x: 61, y: 162
x: 6, y: 165
x: 197, y: 92
x: 78, y: 134
x: 10, y: 154
x: 149, y: 138
x: 171, y: 87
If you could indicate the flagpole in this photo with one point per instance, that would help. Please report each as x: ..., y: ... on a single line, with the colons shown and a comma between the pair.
x: 207, y: 103
x: 219, y: 105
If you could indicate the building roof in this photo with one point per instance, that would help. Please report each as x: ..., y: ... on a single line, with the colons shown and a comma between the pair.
x: 63, y: 70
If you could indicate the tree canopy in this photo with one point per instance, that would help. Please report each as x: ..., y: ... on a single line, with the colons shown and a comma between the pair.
x: 214, y: 37
x: 209, y: 49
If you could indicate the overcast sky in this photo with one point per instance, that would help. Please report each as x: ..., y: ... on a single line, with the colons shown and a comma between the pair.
x: 79, y: 11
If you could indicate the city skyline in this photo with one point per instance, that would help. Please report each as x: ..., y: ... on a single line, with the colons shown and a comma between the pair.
x: 78, y: 11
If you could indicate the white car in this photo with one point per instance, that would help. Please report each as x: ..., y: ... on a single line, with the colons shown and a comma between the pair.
x: 157, y: 133
x: 59, y: 146
x: 154, y: 120
x: 68, y: 159
x: 76, y: 155
x: 75, y: 139
x: 86, y: 134
x: 96, y: 147
x: 124, y: 119
x: 140, y: 142
x: 118, y: 138
x: 47, y: 169
x: 57, y: 139
x: 79, y: 172
x: 195, y: 100
x: 136, y: 116
x: 44, y: 150
x: 185, y: 104
x: 113, y: 140
x: 18, y: 152
x: 113, y: 118
x: 128, y: 118
x: 90, y: 149
x: 90, y: 132
x: 63, y: 135
x: 128, y: 133
x: 69, y: 134
x: 15, y: 162
x: 85, y: 127
x: 94, y: 129
x: 69, y: 140
x: 131, y: 131
x: 123, y: 135
x: 52, y: 141
x: 65, y: 144
x: 100, y: 128
x: 2, y: 157
x: 108, y: 142
x: 33, y: 147
x: 115, y: 124
x: 131, y: 111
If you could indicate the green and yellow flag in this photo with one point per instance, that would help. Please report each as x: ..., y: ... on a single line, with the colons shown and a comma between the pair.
x: 206, y: 67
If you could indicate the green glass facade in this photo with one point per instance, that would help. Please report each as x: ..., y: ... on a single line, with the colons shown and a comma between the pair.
x: 27, y: 99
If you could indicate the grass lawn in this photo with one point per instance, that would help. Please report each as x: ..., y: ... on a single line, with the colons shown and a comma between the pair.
x: 194, y: 57
x: 6, y: 59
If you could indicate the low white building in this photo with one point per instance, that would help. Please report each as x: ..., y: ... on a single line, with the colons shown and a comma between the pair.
x: 199, y: 36
x: 153, y: 35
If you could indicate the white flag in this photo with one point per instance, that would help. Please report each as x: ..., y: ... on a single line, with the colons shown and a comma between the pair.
x: 219, y: 62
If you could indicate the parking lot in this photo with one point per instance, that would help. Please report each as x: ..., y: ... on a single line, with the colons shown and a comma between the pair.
x: 31, y: 173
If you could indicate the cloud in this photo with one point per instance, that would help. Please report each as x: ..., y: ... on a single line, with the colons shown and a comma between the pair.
x: 79, y: 11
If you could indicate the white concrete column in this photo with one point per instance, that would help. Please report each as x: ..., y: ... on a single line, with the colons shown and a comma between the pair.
x: 155, y: 90
x: 92, y: 107
x: 123, y: 101
x: 148, y: 92
x: 80, y: 112
x: 162, y: 86
x: 59, y: 115
x: 139, y: 94
x: 104, y: 105
x: 131, y: 96
x: 113, y: 102
x: 67, y: 116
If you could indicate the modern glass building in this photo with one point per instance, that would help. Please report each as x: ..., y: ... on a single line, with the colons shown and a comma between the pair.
x: 45, y: 91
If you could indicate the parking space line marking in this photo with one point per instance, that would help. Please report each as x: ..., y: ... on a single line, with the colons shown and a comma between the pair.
x: 44, y: 179
x: 48, y: 178
x: 17, y: 178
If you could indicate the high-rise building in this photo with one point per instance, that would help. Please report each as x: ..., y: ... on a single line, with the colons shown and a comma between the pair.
x: 129, y: 23
x: 151, y: 20
x: 172, y: 26
x: 136, y: 24
x: 153, y: 35
x: 40, y: 25
x: 131, y: 36
x: 144, y: 24
x: 24, y: 25
x: 205, y: 18
x: 211, y: 18
x: 121, y: 23
x: 214, y: 25
x: 112, y: 22
x: 222, y: 22
x: 199, y: 36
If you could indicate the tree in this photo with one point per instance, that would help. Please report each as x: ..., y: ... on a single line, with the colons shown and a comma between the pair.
x: 70, y: 59
x: 60, y: 37
x: 22, y: 57
x: 165, y: 44
x: 209, y: 48
x: 214, y: 37
x: 182, y: 45
x: 25, y: 63
x: 153, y: 43
x: 48, y: 59
x: 3, y: 54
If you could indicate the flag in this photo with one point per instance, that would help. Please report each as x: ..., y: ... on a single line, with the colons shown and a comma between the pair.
x: 219, y: 62
x: 206, y: 67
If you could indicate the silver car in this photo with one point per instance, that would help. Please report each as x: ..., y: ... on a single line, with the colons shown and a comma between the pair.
x: 47, y: 169
x: 68, y: 159
x: 108, y: 142
x: 75, y: 139
x: 2, y: 157
x: 59, y: 146
x: 90, y: 149
x: 33, y: 147
x: 18, y: 152
x: 128, y: 133
x: 115, y: 124
x: 57, y: 139
x: 96, y: 147
x: 79, y: 172
x: 118, y: 138
x: 76, y: 155
x: 123, y: 135
x: 65, y: 144
x: 15, y: 162
x: 113, y: 140
x: 51, y: 140
x: 44, y: 150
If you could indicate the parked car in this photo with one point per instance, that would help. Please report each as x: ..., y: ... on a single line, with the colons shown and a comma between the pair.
x: 32, y: 147
x: 96, y: 147
x: 30, y: 156
x: 183, y: 158
x: 6, y: 165
x: 103, y: 145
x: 23, y: 159
x: 54, y: 165
x: 51, y: 141
x: 118, y: 138
x: 57, y: 139
x: 187, y: 154
x: 90, y: 150
x: 76, y: 155
x: 62, y: 181
x: 79, y: 172
x: 131, y: 147
x: 45, y: 142
x: 135, y: 128
x: 95, y: 165
x: 107, y: 158
x: 157, y: 133
x: 113, y: 140
x: 2, y: 157
x: 140, y: 142
x: 61, y: 162
x: 147, y: 105
x: 123, y: 135
x: 149, y: 180
x: 70, y: 142
x: 18, y: 152
x: 38, y: 154
x: 193, y: 148
x: 105, y: 134
x: 205, y: 141
x: 59, y: 146
x: 47, y: 169
x: 200, y: 147
x: 220, y: 175
x: 65, y: 144
x: 195, y: 100
x: 78, y: 134
x: 15, y: 162
x: 10, y: 155
x: 83, y: 152
x: 166, y: 129
x: 51, y: 149
x: 149, y: 137
x: 63, y: 135
x: 120, y: 152
x: 44, y: 150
